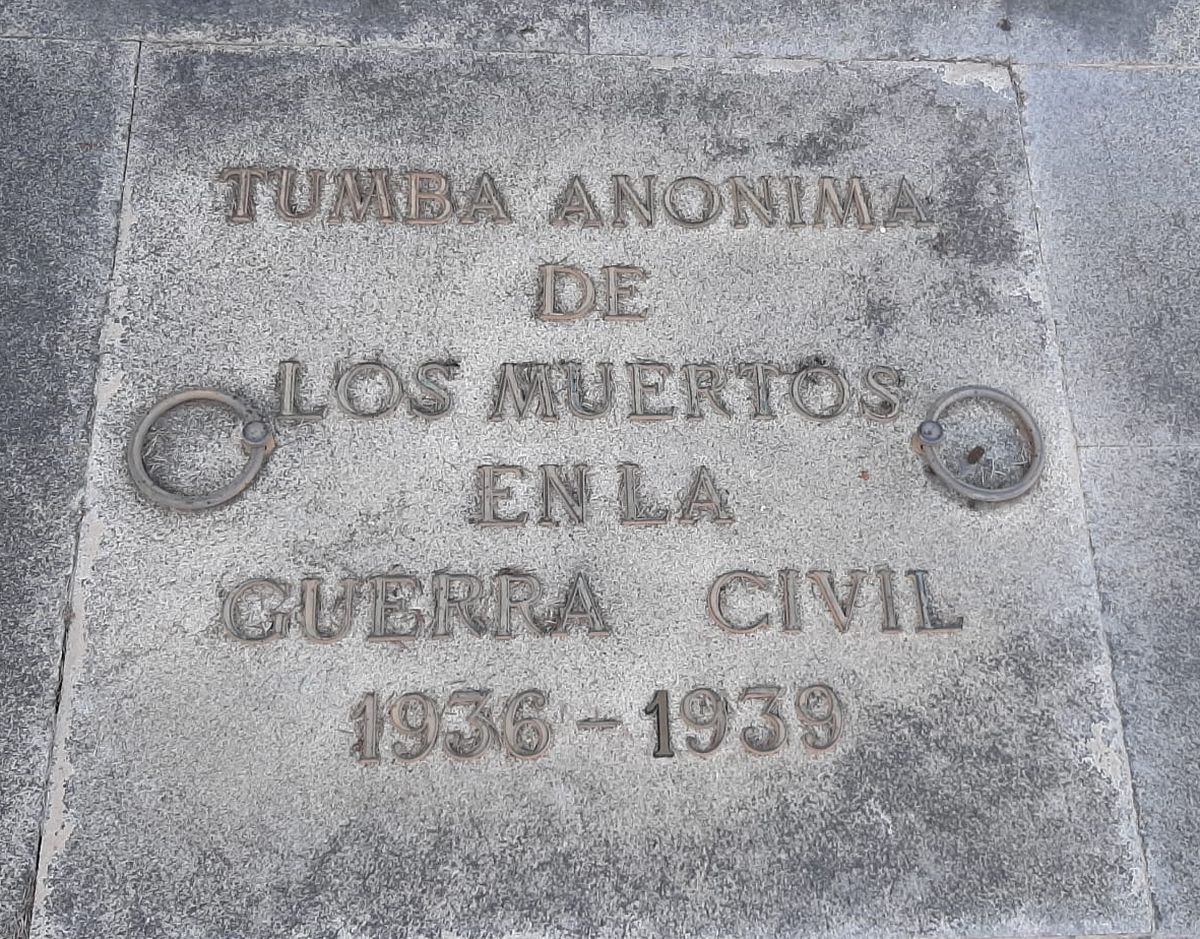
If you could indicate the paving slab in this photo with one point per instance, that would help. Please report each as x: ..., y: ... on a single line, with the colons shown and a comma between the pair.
x: 1149, y: 541
x: 62, y: 142
x: 1097, y: 31
x: 910, y: 29
x: 1111, y: 153
x: 511, y: 25
x: 335, y: 705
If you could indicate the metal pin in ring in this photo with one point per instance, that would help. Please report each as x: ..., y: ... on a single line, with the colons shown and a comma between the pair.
x: 258, y: 440
x: 931, y: 433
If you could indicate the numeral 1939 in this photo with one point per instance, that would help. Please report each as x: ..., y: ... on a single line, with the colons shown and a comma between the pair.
x: 706, y: 711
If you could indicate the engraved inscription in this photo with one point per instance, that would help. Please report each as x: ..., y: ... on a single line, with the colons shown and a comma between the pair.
x: 414, y: 723
x: 651, y: 391
x: 399, y: 607
x: 563, y: 494
x: 707, y: 713
x: 430, y: 198
x: 766, y: 602
x: 506, y: 497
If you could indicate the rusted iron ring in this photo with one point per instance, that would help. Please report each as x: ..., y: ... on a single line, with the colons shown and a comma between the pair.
x: 258, y: 440
x: 930, y: 435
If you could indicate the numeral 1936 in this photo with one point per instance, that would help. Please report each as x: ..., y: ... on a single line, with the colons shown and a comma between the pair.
x: 706, y: 711
x: 419, y: 722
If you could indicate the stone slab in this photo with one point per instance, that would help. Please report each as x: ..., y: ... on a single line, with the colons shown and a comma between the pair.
x: 207, y: 786
x: 510, y: 25
x: 1110, y: 157
x: 62, y: 144
x: 1099, y: 31
x: 1150, y: 542
x: 911, y: 29
x: 1109, y: 154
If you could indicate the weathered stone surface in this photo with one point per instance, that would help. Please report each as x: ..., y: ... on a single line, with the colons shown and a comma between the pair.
x: 910, y: 29
x: 206, y: 786
x: 62, y: 130
x: 1146, y: 554
x: 1110, y: 157
x: 512, y: 25
x: 1117, y: 200
x: 1081, y: 31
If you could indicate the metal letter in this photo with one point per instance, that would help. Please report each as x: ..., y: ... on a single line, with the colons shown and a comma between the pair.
x: 524, y: 384
x: 385, y: 603
x: 576, y: 403
x: 548, y: 289
x: 618, y: 291
x: 703, y: 496
x: 445, y: 604
x: 759, y: 374
x: 828, y: 197
x: 639, y: 386
x: 350, y: 195
x: 630, y: 511
x: 643, y: 206
x: 714, y: 381
x: 808, y: 375
x: 580, y: 607
x: 244, y: 180
x: 310, y: 609
x: 927, y: 621
x: 442, y: 399
x: 489, y: 494
x: 576, y: 203
x: 573, y: 500
x: 508, y: 603
x: 233, y: 622
x: 285, y: 195
x: 486, y: 201
x: 841, y: 611
x: 713, y: 202
x: 885, y: 382
x: 907, y: 207
x: 290, y: 408
x: 394, y: 396
x: 716, y: 599
x: 436, y: 196
x: 760, y: 202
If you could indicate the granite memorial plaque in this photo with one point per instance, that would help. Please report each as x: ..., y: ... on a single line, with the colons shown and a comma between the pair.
x: 541, y: 498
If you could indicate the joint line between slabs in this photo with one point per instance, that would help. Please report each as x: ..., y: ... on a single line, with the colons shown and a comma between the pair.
x: 1083, y: 502
x: 393, y: 45
x: 25, y: 926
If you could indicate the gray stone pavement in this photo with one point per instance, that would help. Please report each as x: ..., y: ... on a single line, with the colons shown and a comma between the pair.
x: 510, y: 25
x: 62, y: 140
x: 1076, y: 294
x: 1113, y: 156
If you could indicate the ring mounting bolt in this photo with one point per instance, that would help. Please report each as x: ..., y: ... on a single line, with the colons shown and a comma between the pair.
x: 256, y: 432
x: 930, y: 433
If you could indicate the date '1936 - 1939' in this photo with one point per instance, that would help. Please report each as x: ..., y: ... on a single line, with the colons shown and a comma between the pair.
x: 464, y: 726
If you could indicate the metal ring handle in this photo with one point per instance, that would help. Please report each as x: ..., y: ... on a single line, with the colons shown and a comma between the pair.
x: 930, y: 435
x: 258, y: 440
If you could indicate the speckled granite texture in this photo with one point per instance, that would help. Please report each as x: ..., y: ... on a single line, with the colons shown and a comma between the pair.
x: 1031, y: 202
